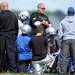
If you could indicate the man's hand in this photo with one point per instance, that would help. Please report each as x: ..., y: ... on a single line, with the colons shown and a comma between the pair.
x: 37, y: 23
x: 45, y: 23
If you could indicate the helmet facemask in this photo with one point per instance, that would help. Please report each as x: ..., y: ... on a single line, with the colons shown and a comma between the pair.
x: 24, y: 16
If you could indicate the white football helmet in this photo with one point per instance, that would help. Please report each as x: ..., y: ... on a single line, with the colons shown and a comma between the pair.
x: 50, y: 31
x: 24, y: 15
x: 26, y: 29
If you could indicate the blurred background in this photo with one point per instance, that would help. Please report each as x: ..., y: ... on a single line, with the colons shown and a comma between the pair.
x: 55, y: 9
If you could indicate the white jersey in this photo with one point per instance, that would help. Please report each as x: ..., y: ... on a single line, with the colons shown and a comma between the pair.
x: 20, y: 26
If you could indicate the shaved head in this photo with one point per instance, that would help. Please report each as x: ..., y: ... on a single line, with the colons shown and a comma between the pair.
x: 41, y: 8
x: 4, y: 5
x: 0, y: 6
x: 40, y: 4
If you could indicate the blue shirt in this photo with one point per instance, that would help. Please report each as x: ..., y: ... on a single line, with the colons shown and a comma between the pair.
x: 23, y: 49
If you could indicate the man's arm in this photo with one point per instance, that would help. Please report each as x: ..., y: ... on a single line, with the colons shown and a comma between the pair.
x: 33, y: 20
x: 16, y: 26
x: 46, y: 22
x: 60, y: 32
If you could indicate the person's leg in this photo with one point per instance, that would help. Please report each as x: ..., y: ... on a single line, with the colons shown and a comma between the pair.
x: 27, y: 64
x: 62, y: 59
x: 72, y: 51
x: 11, y: 52
x: 21, y: 66
x: 2, y: 52
x: 49, y: 60
x: 37, y: 69
x: 6, y: 64
x: 31, y: 66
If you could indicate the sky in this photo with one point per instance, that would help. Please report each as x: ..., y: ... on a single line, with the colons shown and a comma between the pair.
x: 51, y: 5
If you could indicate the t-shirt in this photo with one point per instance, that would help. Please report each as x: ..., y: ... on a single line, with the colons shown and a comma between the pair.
x: 38, y: 45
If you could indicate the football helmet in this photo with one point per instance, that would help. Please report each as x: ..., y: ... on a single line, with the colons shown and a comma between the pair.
x: 24, y: 15
x: 50, y: 31
x: 26, y: 29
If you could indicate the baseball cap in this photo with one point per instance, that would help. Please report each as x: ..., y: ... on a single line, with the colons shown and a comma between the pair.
x: 71, y: 9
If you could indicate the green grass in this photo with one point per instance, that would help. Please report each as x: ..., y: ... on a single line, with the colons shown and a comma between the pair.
x: 22, y: 74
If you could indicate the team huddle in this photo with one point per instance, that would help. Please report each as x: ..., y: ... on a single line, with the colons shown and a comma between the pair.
x: 31, y: 44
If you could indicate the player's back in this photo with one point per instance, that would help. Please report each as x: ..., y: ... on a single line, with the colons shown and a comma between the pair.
x: 39, y: 47
x: 23, y: 49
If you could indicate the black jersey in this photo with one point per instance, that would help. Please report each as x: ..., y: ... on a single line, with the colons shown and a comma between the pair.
x: 37, y: 17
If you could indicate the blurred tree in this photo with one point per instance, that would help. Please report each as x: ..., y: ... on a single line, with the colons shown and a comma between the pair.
x: 59, y: 14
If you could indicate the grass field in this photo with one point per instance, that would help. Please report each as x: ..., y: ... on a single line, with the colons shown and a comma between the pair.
x: 22, y: 74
